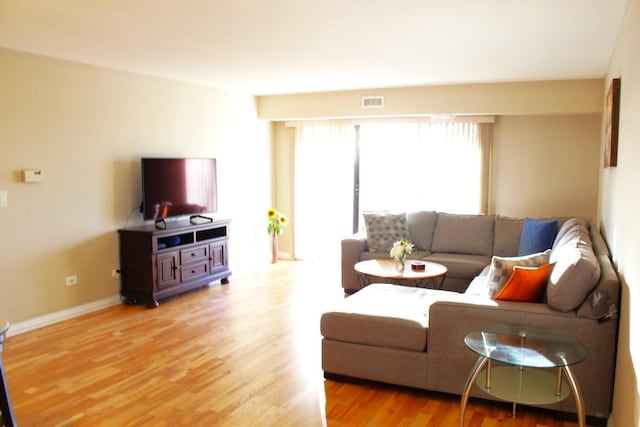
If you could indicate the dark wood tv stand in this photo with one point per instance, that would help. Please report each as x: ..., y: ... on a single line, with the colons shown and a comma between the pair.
x: 156, y: 264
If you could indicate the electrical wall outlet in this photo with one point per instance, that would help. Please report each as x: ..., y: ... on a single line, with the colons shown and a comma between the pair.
x: 3, y: 199
x: 71, y: 280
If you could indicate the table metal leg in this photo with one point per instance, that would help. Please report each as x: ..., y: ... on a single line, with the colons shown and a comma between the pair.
x: 5, y: 401
x: 577, y: 395
x: 482, y: 361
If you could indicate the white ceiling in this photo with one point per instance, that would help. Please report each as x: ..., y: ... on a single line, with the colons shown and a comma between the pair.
x: 287, y: 46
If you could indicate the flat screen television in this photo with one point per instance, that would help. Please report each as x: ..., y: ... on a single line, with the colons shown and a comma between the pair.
x: 173, y: 187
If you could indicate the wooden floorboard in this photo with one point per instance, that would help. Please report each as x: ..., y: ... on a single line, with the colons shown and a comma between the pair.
x: 242, y: 354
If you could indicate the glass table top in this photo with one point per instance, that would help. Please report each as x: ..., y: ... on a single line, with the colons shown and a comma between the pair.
x: 521, y: 346
x: 4, y: 327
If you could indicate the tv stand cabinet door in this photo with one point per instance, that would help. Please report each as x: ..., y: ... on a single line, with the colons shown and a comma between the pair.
x: 218, y: 257
x: 167, y: 270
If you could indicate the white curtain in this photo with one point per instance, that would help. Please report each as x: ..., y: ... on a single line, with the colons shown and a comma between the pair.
x: 323, y: 189
x: 404, y: 167
x: 421, y: 166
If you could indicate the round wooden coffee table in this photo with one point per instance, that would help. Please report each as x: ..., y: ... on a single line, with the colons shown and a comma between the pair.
x: 385, y: 271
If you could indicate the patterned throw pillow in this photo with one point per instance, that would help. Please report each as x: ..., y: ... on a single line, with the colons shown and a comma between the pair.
x: 502, y: 267
x: 383, y: 229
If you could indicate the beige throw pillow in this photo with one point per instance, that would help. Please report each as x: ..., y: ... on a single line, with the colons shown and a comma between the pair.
x: 502, y: 267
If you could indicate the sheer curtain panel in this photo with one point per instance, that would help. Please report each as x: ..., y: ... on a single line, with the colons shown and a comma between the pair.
x: 421, y: 166
x: 323, y: 189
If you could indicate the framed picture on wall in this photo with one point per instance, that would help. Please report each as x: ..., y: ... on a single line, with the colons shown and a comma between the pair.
x: 612, y: 118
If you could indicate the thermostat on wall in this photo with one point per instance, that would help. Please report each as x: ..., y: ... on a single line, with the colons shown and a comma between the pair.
x: 32, y: 175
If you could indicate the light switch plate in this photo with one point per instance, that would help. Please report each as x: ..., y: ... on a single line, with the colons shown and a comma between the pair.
x: 3, y: 199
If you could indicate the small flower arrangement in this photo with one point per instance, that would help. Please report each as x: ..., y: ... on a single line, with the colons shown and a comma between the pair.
x: 277, y: 222
x: 400, y: 250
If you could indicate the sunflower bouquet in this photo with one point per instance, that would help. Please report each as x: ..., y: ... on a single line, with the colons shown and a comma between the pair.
x: 277, y: 222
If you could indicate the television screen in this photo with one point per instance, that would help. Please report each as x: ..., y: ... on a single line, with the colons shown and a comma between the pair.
x: 176, y: 187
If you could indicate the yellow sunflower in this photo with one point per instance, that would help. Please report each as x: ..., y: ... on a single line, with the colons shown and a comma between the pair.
x: 277, y: 221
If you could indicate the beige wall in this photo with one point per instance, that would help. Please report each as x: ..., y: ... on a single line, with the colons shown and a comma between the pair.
x: 86, y: 128
x: 545, y: 162
x: 620, y: 209
x: 524, y: 98
x: 546, y: 165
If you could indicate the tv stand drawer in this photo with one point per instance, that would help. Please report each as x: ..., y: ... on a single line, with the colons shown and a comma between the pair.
x: 195, y: 271
x: 196, y: 254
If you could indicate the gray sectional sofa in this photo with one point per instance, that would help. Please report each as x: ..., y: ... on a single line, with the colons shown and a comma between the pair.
x: 415, y: 337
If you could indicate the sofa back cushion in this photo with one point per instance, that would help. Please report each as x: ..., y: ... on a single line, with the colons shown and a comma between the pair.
x: 506, y: 240
x: 577, y: 270
x: 602, y: 302
x: 599, y: 245
x: 385, y: 228
x: 421, y: 226
x: 463, y: 234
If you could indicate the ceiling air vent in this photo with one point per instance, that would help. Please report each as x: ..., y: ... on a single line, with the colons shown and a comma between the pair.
x: 373, y: 102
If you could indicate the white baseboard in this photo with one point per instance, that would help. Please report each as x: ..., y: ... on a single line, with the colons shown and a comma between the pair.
x: 59, y: 316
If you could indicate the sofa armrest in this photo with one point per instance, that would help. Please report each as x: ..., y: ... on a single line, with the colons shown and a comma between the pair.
x: 450, y: 322
x: 352, y: 248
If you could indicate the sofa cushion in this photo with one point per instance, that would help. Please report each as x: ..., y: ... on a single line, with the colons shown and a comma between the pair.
x: 526, y: 284
x: 577, y: 270
x: 602, y: 302
x: 463, y: 234
x: 502, y: 267
x: 478, y: 286
x: 566, y: 229
x: 385, y: 255
x: 385, y: 228
x: 381, y: 315
x: 421, y: 226
x: 537, y: 235
x: 506, y: 240
x: 599, y: 245
x: 460, y: 265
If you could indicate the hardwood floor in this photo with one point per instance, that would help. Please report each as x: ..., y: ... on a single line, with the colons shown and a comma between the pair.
x: 242, y: 354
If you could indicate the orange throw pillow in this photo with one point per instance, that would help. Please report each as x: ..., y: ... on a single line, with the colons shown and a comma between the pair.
x: 526, y: 284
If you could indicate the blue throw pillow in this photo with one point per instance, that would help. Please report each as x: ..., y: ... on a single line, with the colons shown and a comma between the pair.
x: 537, y: 236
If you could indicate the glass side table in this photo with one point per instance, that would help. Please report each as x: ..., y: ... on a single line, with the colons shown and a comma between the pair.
x: 518, y: 349
x: 6, y: 418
